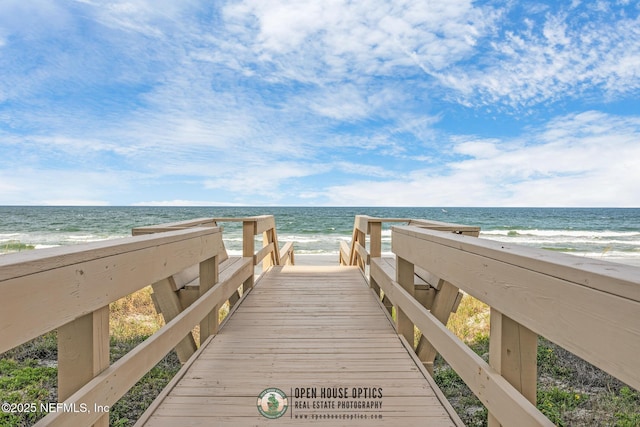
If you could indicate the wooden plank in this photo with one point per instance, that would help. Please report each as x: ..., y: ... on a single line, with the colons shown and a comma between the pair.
x: 83, y: 352
x: 362, y: 253
x: 513, y: 351
x: 170, y: 306
x: 264, y: 223
x: 262, y: 253
x: 614, y: 278
x: 414, y: 421
x: 64, y: 284
x: 248, y: 248
x: 375, y: 239
x: 344, y: 253
x: 287, y: 256
x: 471, y: 230
x: 361, y: 223
x: 593, y: 315
x: 441, y: 309
x: 208, y: 279
x: 15, y: 265
x: 404, y: 276
x: 316, y: 342
x: 172, y: 226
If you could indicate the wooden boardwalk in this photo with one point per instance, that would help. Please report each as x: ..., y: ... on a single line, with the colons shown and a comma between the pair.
x: 314, y: 333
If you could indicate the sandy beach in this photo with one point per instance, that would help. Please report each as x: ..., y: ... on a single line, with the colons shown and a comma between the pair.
x: 309, y: 259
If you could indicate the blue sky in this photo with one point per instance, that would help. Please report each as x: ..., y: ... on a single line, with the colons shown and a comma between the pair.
x: 339, y: 103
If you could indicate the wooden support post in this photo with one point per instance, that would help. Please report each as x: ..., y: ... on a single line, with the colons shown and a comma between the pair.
x: 169, y: 304
x: 276, y: 247
x: 404, y: 276
x: 268, y: 261
x: 375, y: 250
x: 208, y: 279
x: 513, y: 351
x: 443, y: 302
x: 362, y: 239
x: 83, y: 352
x: 248, y: 249
x: 375, y: 239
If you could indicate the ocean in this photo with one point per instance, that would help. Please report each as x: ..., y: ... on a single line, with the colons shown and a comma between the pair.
x: 605, y: 233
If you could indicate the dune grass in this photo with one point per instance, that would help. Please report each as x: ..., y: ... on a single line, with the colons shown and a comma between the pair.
x: 14, y: 246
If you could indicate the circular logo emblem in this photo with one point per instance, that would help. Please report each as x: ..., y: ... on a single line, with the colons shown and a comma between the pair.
x: 272, y: 403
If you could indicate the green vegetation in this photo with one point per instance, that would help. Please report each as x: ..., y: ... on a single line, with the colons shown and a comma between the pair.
x: 24, y: 382
x: 14, y: 246
x: 28, y: 373
x: 571, y: 392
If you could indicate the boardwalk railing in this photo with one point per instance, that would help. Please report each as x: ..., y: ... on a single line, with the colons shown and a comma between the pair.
x: 174, y: 294
x: 438, y: 296
x: 70, y: 288
x: 369, y: 229
x: 265, y: 225
x: 589, y: 307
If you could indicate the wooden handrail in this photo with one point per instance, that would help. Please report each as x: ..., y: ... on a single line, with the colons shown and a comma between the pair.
x: 111, y: 384
x: 63, y: 283
x: 492, y: 389
x: 70, y: 288
x: 365, y: 225
x: 286, y: 254
x: 264, y: 225
x: 589, y: 307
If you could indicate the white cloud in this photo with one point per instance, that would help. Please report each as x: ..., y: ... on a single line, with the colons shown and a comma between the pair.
x: 478, y: 148
x: 584, y: 159
x: 168, y: 203
x: 565, y: 59
x: 255, y: 97
x: 25, y: 186
x: 266, y: 179
x: 335, y: 39
x: 73, y: 202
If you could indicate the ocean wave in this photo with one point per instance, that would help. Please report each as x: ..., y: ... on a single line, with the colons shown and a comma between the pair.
x: 8, y: 236
x: 560, y: 233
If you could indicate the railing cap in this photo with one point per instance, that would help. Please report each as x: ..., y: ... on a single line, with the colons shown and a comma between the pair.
x: 29, y: 262
x: 611, y: 277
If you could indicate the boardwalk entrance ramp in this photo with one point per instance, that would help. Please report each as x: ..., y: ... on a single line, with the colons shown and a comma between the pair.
x: 314, y: 339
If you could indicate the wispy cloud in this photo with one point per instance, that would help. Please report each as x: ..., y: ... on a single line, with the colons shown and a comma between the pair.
x: 582, y: 159
x: 552, y: 55
x: 253, y: 102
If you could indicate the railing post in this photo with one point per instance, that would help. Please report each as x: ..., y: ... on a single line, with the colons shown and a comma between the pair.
x: 248, y: 248
x: 375, y: 250
x: 513, y: 351
x: 360, y: 237
x: 404, y: 276
x: 375, y: 239
x: 268, y: 237
x: 208, y: 279
x: 83, y: 352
